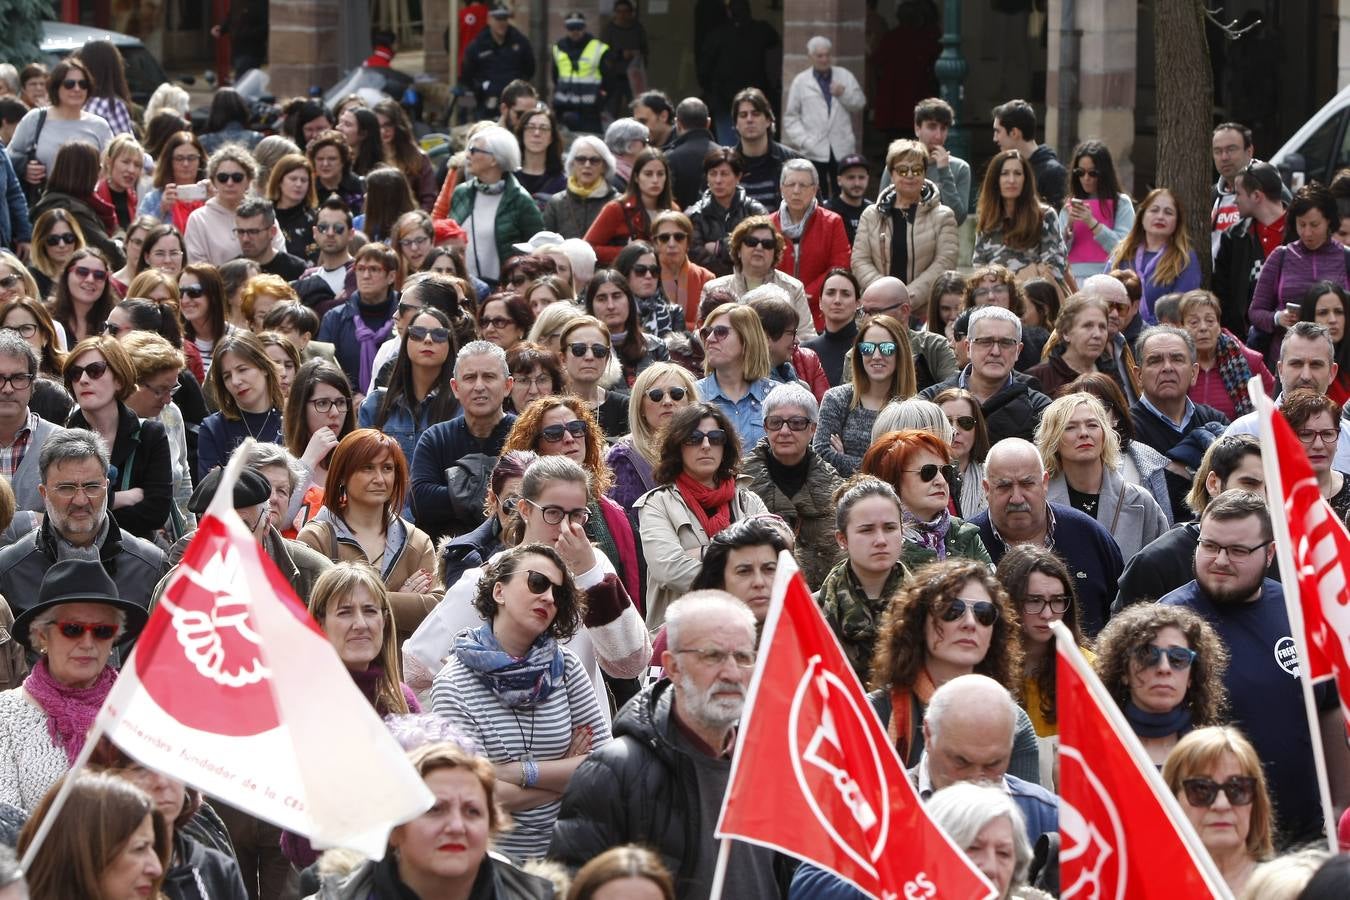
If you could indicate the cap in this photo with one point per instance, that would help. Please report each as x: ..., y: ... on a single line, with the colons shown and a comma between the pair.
x: 575, y: 19
x: 500, y: 11
x: 852, y: 161
x: 251, y: 489
x: 540, y: 239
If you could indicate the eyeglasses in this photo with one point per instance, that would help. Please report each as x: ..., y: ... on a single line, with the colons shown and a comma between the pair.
x: 678, y: 237
x: 1240, y: 790
x: 1309, y: 435
x: 716, y: 438
x: 554, y: 515
x: 908, y: 171
x: 369, y: 270
x: 227, y: 177
x: 75, y: 84
x: 984, y: 611
x: 1086, y: 173
x: 714, y: 658
x: 599, y: 351
x: 75, y: 630
x: 113, y: 330
x: 543, y: 128
x: 334, y: 227
x: 1000, y: 289
x: 930, y: 471
x: 989, y: 343
x: 184, y: 160
x: 326, y: 404
x: 163, y: 393
x: 870, y: 348
x: 656, y: 395
x: 421, y: 333
x: 419, y: 241
x: 497, y: 322
x: 1178, y: 658
x: 716, y: 332
x: 767, y: 243
x: 587, y: 160
x: 9, y: 281
x: 56, y: 240
x: 965, y: 423
x: 192, y: 290
x: 554, y: 433
x: 542, y: 382
x: 1236, y: 552
x: 794, y: 423
x: 84, y: 273
x: 474, y: 151
x: 644, y: 269
x: 165, y: 254
x: 26, y: 330
x: 1035, y: 604
x: 91, y: 489
x: 18, y: 382
x: 539, y: 583
x: 249, y: 232
x: 95, y: 371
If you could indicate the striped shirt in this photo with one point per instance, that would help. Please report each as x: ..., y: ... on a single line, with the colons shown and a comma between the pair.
x: 11, y: 457
x: 460, y: 695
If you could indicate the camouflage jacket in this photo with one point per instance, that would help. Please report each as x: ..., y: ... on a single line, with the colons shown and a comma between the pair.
x: 853, y: 617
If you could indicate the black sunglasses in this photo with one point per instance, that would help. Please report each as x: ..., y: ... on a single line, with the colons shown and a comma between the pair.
x: 538, y: 582
x: 1178, y: 658
x: 794, y: 423
x: 421, y: 332
x: 599, y: 351
x: 767, y: 243
x: 554, y: 433
x: 716, y: 437
x: 227, y: 177
x: 656, y: 395
x: 76, y: 630
x: 644, y: 269
x: 94, y: 370
x: 965, y: 423
x: 721, y: 332
x: 71, y: 84
x: 985, y: 612
x: 1240, y: 790
x: 112, y: 330
x: 9, y: 281
x: 55, y: 240
x: 191, y: 290
x: 929, y: 472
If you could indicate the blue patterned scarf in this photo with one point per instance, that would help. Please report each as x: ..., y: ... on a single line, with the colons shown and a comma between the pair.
x: 515, y: 682
x: 929, y: 535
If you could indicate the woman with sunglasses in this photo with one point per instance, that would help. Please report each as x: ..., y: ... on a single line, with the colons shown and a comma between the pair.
x: 1081, y: 454
x: 209, y: 234
x: 883, y: 370
x: 34, y: 148
x: 699, y: 492
x: 101, y: 376
x: 682, y: 280
x: 609, y: 298
x: 736, y: 365
x: 333, y: 176
x: 418, y: 394
x: 952, y: 619
x: 563, y: 426
x: 1164, y: 667
x: 586, y: 350
x: 84, y: 295
x: 201, y: 295
x: 649, y: 193
x: 70, y: 186
x: 247, y: 388
x: 662, y: 390
x: 180, y: 164
x: 969, y: 446
x: 535, y: 372
x: 504, y: 319
x: 589, y: 165
x: 56, y: 235
x: 1219, y: 781
x: 360, y: 521
x: 1098, y: 214
x: 757, y: 248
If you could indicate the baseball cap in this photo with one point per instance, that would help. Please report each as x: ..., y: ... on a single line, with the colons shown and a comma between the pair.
x: 852, y: 161
x: 500, y: 11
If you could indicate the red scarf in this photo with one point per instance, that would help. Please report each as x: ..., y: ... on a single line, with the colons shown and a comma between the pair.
x: 902, y: 729
x: 712, y: 505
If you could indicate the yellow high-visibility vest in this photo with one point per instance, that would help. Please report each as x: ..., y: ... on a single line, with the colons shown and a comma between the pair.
x: 579, y: 84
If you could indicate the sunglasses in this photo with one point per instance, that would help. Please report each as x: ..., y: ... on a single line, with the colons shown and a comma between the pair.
x: 84, y: 272
x: 554, y: 433
x: 113, y: 330
x: 965, y: 423
x: 587, y: 160
x: 1085, y: 173
x: 76, y: 630
x: 421, y: 333
x: 1240, y: 790
x: 985, y: 612
x: 1178, y: 658
x: 869, y: 348
x: 74, y: 84
x: 656, y: 395
x: 794, y: 423
x: 678, y: 237
x: 644, y: 269
x: 227, y: 177
x: 94, y: 370
x: 599, y: 351
x: 334, y: 227
x: 498, y: 322
x: 9, y: 281
x: 720, y: 332
x: 539, y: 583
x: 192, y: 290
x: 908, y: 171
x: 767, y: 243
x: 716, y: 438
x: 56, y: 240
x: 930, y: 471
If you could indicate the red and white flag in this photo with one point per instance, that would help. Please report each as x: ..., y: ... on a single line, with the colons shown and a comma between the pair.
x: 233, y: 689
x: 816, y: 777
x: 1123, y: 835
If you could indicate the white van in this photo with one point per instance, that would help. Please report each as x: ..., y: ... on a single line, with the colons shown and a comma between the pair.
x: 1320, y: 148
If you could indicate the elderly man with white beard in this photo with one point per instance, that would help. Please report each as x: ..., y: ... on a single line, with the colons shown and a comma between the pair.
x: 660, y: 783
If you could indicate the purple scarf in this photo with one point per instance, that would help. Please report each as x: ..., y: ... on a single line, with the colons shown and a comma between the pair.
x: 70, y: 711
x: 370, y: 342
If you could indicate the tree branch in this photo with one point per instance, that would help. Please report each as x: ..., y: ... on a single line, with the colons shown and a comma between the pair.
x: 1231, y: 30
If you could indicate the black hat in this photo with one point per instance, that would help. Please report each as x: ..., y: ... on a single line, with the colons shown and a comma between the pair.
x: 251, y: 489
x: 78, y: 581
x: 852, y: 161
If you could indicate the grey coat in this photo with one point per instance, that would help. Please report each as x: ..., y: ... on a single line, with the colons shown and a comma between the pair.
x: 1126, y: 510
x: 1151, y: 466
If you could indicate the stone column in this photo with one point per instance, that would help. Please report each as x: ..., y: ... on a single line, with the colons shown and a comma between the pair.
x: 843, y: 22
x: 435, y: 21
x: 1342, y: 44
x: 301, y: 49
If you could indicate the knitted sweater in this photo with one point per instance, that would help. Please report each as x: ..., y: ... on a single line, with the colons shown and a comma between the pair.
x: 853, y: 426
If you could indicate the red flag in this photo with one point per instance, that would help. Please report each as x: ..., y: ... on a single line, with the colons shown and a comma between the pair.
x: 815, y: 775
x: 1123, y: 836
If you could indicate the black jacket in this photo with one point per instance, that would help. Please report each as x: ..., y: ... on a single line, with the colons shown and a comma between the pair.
x: 1052, y: 179
x: 685, y: 157
x: 469, y: 551
x: 712, y: 222
x: 489, y: 67
x: 1012, y: 412
x: 1236, y: 268
x: 140, y: 459
x: 202, y: 873
x: 1151, y: 430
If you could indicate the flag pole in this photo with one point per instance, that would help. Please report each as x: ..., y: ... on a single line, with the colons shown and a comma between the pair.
x: 68, y: 783
x: 1284, y: 555
x: 1065, y: 645
x: 720, y: 872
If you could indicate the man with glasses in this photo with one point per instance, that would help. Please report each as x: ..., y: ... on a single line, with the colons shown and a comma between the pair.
x: 358, y: 327
x: 22, y: 432
x: 661, y: 782
x: 1016, y: 483
x: 1247, y: 609
x: 1012, y: 403
x: 73, y: 464
x: 255, y: 225
x: 323, y: 286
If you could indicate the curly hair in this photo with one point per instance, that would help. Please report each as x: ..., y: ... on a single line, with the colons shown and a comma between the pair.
x: 1014, y: 571
x: 568, y: 600
x: 1138, y: 625
x: 671, y: 461
x: 755, y: 223
x: 902, y: 646
x: 526, y: 434
x: 1017, y: 302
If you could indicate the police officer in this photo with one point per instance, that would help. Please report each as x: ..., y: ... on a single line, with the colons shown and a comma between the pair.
x: 580, y: 61
x: 496, y: 57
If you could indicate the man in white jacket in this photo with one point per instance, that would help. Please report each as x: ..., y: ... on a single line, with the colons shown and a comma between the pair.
x: 818, y: 119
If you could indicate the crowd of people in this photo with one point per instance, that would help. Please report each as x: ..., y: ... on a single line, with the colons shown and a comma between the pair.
x: 528, y: 437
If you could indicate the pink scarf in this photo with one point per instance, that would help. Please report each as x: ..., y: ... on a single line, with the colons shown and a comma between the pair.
x: 70, y: 711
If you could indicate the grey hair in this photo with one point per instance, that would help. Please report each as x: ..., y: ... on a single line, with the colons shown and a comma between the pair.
x: 9, y: 77
x: 52, y: 614
x: 582, y: 257
x: 501, y: 144
x: 1284, y: 877
x: 266, y: 454
x: 992, y: 312
x: 819, y: 42
x: 960, y: 693
x: 699, y: 606
x: 15, y: 347
x: 797, y: 164
x: 1104, y: 286
x: 583, y: 141
x: 914, y: 413
x: 257, y: 206
x: 622, y: 132
x: 1309, y: 331
x: 792, y: 395
x: 69, y: 444
x: 482, y: 348
x: 1141, y: 342
x: 10, y: 873
x: 235, y: 154
x: 771, y: 291
x: 964, y: 809
x: 167, y: 96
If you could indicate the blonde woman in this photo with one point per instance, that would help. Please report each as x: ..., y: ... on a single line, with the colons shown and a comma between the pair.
x: 1081, y: 454
x: 121, y: 167
x: 736, y: 363
x: 548, y: 327
x: 658, y: 393
x: 883, y: 370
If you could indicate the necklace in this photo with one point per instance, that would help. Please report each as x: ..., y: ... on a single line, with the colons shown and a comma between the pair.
x: 243, y: 417
x: 528, y: 755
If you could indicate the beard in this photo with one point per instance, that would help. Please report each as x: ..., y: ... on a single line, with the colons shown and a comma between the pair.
x: 707, y: 709
x: 1231, y: 593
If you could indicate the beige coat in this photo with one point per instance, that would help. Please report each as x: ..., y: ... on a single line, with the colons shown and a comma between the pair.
x: 669, y: 530
x: 932, y: 249
x: 735, y: 282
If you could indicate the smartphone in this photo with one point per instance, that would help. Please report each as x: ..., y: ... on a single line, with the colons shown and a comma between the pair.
x: 191, y: 192
x: 1293, y: 308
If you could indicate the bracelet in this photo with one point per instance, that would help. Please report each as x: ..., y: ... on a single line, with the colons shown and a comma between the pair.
x: 529, y: 773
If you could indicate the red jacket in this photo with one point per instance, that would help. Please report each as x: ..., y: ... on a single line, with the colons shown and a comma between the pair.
x: 809, y: 370
x: 620, y: 221
x: 824, y: 245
